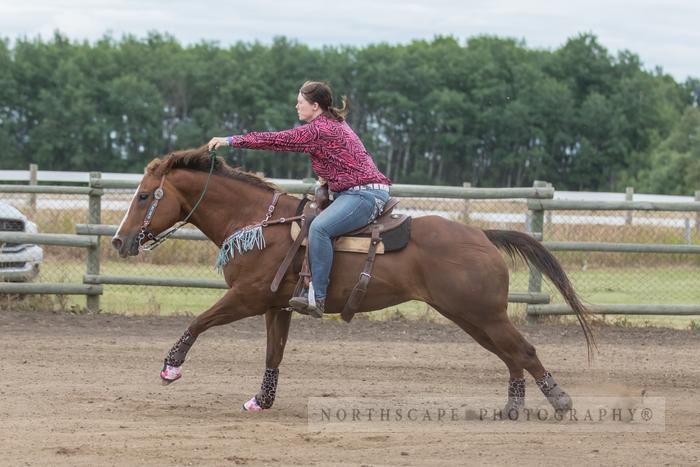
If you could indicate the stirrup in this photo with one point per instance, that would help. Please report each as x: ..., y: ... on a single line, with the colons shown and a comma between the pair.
x: 318, y: 310
x: 299, y: 303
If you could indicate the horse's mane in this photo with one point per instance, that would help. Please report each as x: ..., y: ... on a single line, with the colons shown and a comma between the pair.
x: 199, y: 159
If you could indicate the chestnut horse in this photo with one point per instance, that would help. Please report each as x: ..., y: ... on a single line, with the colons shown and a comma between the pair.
x: 456, y: 269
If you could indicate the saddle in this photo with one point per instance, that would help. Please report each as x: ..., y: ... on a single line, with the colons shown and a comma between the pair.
x: 388, y: 232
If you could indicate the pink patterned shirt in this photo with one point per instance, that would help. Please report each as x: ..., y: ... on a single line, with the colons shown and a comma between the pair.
x: 337, y: 154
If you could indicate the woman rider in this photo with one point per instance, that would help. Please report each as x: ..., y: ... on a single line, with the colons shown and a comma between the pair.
x: 338, y: 158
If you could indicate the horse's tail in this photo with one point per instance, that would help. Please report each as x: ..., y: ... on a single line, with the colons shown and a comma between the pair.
x: 521, y: 244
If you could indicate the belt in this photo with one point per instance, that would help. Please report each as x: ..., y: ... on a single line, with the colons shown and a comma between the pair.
x: 371, y: 186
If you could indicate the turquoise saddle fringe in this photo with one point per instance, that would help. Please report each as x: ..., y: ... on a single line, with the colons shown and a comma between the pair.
x: 240, y: 241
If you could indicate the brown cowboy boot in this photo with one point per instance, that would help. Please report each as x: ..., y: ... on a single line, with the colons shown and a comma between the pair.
x: 318, y: 310
x: 300, y: 303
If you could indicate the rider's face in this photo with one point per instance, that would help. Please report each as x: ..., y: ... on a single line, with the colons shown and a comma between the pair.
x: 306, y: 110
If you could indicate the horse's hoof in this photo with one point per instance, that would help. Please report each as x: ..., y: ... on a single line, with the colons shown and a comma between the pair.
x: 170, y: 374
x: 251, y: 406
x: 513, y: 408
x: 561, y: 401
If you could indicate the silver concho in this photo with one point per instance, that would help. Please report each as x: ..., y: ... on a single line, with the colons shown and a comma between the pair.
x: 158, y: 194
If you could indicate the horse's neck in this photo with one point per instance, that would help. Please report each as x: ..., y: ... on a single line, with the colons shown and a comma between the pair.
x: 230, y: 205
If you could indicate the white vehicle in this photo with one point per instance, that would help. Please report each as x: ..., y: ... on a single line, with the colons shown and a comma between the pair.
x: 19, y: 262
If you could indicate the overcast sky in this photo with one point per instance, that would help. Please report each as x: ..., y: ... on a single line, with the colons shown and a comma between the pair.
x: 663, y: 33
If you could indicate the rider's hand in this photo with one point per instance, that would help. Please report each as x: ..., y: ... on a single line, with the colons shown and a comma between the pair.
x: 216, y: 143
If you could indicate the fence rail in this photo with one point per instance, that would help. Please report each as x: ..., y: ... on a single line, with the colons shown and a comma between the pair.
x: 58, y: 288
x: 155, y: 281
x: 622, y: 247
x: 49, y: 239
x: 574, y: 205
x: 539, y: 203
x: 50, y: 189
x: 107, y: 230
x: 399, y: 190
x: 658, y: 309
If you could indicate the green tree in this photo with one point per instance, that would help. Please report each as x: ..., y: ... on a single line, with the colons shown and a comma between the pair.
x: 675, y: 164
x: 490, y: 111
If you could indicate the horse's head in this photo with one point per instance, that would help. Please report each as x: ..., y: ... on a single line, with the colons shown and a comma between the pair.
x: 167, y: 196
x: 154, y: 208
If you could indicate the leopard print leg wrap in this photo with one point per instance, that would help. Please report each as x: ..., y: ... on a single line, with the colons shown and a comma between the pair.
x: 176, y: 356
x: 556, y: 396
x: 516, y: 396
x: 266, y: 396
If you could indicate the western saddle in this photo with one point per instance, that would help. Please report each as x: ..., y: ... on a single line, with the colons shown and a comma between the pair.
x: 388, y: 232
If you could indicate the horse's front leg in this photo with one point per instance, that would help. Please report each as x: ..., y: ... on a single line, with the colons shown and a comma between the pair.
x: 277, y: 322
x: 229, y: 308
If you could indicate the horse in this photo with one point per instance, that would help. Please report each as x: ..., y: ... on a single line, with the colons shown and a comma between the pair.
x: 457, y: 269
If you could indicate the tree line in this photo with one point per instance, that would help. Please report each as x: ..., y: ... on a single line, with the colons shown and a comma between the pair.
x: 489, y: 110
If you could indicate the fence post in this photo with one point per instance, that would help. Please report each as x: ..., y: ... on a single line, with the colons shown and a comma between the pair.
x: 465, y: 207
x: 537, y: 231
x: 697, y: 214
x: 548, y: 214
x: 33, y: 169
x: 93, y: 258
x: 629, y: 196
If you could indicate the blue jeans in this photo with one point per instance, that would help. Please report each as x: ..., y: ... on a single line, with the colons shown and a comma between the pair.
x: 351, y: 210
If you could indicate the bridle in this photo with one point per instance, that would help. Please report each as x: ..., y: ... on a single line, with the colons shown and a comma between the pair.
x: 152, y: 240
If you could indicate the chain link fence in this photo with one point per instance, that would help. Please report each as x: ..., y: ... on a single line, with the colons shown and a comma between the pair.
x: 599, y: 277
x: 22, y: 262
x: 621, y: 277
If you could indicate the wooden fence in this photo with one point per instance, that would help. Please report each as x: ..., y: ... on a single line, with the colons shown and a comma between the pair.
x: 539, y: 200
x: 91, y: 242
x: 537, y: 210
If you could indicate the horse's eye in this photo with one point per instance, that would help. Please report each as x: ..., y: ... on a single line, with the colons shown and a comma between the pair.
x: 143, y: 196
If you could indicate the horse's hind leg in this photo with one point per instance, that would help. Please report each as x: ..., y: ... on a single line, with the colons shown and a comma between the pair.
x: 277, y: 323
x: 516, y: 384
x: 510, y: 342
x: 228, y: 309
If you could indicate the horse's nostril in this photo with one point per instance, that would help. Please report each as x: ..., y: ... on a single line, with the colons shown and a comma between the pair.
x: 117, y: 243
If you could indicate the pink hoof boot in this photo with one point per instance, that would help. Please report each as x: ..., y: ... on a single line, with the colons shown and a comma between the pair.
x: 251, y: 406
x: 170, y: 374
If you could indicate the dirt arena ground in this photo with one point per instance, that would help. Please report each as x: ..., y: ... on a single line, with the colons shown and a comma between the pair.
x: 84, y: 390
